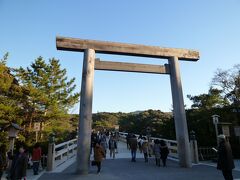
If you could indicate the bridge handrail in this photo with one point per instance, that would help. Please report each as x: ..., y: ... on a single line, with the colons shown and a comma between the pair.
x: 64, y: 143
x: 66, y: 151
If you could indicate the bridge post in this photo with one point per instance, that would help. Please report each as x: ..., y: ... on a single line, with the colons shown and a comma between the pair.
x: 51, y: 156
x: 194, y: 148
x: 179, y: 114
x: 85, y: 120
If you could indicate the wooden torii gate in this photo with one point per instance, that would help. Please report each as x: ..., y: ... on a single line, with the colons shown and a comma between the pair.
x: 90, y: 47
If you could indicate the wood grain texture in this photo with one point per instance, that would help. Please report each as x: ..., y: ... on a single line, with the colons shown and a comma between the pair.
x: 131, y: 67
x: 74, y: 44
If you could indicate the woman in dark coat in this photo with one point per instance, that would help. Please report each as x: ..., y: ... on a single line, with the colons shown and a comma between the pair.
x: 3, y: 161
x: 19, y: 165
x: 99, y: 155
x: 164, y: 152
x: 225, y: 159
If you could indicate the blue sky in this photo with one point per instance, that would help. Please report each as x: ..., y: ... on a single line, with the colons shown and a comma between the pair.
x: 29, y: 29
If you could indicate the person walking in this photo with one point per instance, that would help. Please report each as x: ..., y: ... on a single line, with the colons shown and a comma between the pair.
x: 164, y: 151
x: 19, y: 165
x: 2, y: 159
x: 36, y: 158
x: 133, y: 146
x: 98, y: 155
x: 103, y: 140
x: 9, y: 164
x: 140, y: 141
x: 116, y: 140
x: 150, y: 147
x: 145, y: 149
x: 156, y: 151
x: 112, y: 147
x: 94, y: 139
x: 128, y: 137
x: 225, y: 161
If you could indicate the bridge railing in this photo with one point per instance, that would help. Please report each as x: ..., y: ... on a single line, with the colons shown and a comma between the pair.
x: 58, y: 154
x: 65, y: 151
x: 172, y: 144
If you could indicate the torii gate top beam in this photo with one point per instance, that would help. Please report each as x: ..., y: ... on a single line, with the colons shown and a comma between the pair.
x: 74, y: 44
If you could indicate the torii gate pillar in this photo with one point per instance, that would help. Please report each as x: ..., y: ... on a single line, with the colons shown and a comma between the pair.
x: 179, y: 114
x: 85, y: 121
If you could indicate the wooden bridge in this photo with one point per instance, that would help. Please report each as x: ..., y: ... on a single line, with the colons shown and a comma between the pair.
x: 123, y: 168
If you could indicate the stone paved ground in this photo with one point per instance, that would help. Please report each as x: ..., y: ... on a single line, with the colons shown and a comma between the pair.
x: 119, y: 169
x: 123, y: 168
x: 30, y: 175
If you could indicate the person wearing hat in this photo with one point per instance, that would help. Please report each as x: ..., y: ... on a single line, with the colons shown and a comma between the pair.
x: 225, y: 161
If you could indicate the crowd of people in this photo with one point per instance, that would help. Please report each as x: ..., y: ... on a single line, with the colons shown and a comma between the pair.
x: 15, y: 164
x: 102, y: 142
x: 148, y: 148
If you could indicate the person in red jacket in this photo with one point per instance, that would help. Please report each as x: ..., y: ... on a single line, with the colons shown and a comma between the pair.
x: 36, y: 158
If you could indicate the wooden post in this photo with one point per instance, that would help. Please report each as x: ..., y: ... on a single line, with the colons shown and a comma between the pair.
x: 51, y: 156
x: 179, y: 114
x: 68, y: 150
x: 194, y: 151
x: 85, y: 120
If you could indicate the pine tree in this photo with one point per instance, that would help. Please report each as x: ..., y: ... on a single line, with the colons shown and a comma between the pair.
x: 48, y: 94
x: 10, y: 92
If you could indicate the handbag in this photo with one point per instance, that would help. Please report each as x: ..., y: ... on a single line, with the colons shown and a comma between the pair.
x: 93, y: 163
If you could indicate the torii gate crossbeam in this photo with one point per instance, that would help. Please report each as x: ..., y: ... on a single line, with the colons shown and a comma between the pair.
x: 90, y: 47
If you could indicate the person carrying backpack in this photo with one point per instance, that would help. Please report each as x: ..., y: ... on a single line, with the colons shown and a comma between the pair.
x: 164, y: 151
x: 133, y: 146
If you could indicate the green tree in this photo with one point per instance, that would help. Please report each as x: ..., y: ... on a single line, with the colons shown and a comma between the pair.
x: 48, y: 94
x: 208, y: 101
x: 161, y: 124
x: 105, y: 120
x: 10, y: 92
